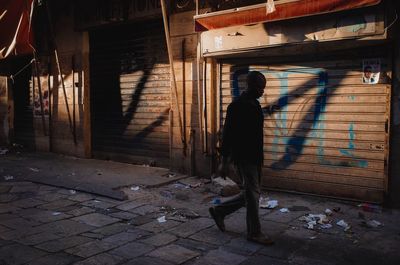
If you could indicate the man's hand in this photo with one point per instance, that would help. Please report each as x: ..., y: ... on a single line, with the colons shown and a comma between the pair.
x: 223, y: 168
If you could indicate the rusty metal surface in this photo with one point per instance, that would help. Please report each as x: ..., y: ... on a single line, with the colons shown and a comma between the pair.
x: 130, y: 78
x: 324, y: 130
x: 284, y: 10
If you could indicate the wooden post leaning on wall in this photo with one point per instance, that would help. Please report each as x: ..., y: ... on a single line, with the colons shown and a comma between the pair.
x: 171, y: 62
x: 50, y: 91
x: 87, y: 118
x: 213, y: 114
x: 10, y: 110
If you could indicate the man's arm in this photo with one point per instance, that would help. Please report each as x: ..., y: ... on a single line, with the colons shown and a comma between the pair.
x: 227, y: 141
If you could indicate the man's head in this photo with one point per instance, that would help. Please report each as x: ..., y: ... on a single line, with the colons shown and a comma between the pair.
x: 367, y: 71
x: 256, y: 83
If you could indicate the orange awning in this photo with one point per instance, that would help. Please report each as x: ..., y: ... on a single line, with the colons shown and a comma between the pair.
x: 285, y: 9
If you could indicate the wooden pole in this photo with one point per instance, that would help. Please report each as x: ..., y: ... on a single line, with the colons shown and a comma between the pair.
x: 50, y: 105
x: 204, y: 109
x: 73, y: 100
x: 184, y: 98
x: 59, y: 69
x: 171, y: 63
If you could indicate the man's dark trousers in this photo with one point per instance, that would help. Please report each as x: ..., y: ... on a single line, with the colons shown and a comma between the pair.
x: 250, y: 176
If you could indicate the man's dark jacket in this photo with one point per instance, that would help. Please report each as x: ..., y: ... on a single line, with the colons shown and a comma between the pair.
x: 242, y: 138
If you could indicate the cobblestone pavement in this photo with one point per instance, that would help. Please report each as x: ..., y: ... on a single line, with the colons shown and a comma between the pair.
x: 42, y: 225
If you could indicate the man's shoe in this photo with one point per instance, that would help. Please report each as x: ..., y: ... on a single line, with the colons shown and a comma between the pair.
x: 261, y: 239
x: 219, y: 220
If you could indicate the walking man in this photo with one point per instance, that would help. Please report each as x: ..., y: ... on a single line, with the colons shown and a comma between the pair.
x: 242, y: 144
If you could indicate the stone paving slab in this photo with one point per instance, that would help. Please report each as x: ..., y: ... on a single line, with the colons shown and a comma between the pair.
x: 263, y: 260
x: 212, y: 236
x: 122, y: 238
x: 51, y: 197
x: 47, y: 216
x: 80, y: 211
x: 56, y: 204
x: 160, y: 239
x: 18, y: 223
x: 101, y: 259
x: 96, y: 219
x: 98, y: 204
x: 21, y: 232
x: 174, y: 253
x: 217, y: 257
x: 241, y: 246
x: 16, y: 254
x: 65, y: 228
x: 130, y: 205
x: 4, y: 198
x: 37, y: 238
x: 90, y: 249
x: 55, y: 259
x: 27, y: 203
x: 81, y: 197
x: 191, y: 227
x: 123, y: 215
x: 145, y: 209
x: 157, y: 227
x: 63, y: 243
x: 132, y: 250
x: 147, y: 261
x: 113, y: 229
x: 143, y: 219
x: 195, y: 245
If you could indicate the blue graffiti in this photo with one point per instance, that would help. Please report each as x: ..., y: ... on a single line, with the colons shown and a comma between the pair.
x: 295, y: 144
x: 349, y: 152
x: 352, y: 98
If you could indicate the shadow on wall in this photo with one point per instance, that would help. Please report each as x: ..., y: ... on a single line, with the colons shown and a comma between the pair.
x: 130, y: 98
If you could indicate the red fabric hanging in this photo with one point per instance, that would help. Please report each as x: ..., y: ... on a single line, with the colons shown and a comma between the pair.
x: 15, y: 32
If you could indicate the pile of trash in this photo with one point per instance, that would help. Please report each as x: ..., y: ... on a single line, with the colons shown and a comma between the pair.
x: 313, y: 220
x: 325, y: 220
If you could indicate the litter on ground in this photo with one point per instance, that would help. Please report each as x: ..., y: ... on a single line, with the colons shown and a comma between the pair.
x: 8, y: 177
x: 284, y: 210
x: 267, y: 204
x: 371, y: 224
x: 3, y: 151
x: 161, y: 219
x: 135, y: 188
x: 34, y: 169
x: 343, y: 224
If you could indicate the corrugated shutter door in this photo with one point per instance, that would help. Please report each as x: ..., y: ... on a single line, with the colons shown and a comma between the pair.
x: 130, y: 89
x: 324, y: 130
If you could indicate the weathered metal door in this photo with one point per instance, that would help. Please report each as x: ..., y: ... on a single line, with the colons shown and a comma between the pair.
x: 325, y: 129
x: 130, y: 93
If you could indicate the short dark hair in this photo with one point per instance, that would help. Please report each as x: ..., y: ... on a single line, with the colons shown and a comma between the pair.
x: 254, y: 76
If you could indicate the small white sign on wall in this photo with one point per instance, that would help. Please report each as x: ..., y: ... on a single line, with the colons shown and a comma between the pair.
x: 218, y: 42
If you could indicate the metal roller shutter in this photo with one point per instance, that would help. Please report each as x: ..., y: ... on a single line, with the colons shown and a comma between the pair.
x: 327, y: 133
x: 130, y: 90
